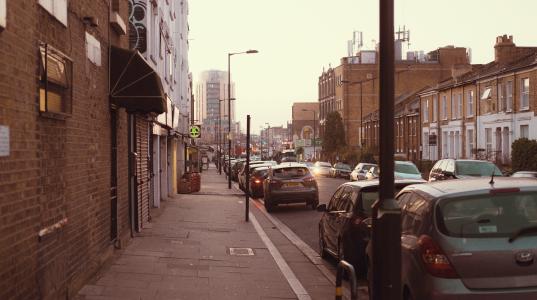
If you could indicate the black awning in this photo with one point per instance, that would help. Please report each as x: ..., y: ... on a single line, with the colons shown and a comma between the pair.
x: 134, y: 83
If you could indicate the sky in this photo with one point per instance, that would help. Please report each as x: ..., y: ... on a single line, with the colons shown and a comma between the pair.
x: 297, y: 39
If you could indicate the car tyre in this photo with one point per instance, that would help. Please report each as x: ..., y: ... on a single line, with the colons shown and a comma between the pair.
x: 322, y: 247
x: 269, y: 206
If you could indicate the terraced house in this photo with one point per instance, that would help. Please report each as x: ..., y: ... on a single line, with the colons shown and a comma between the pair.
x: 479, y: 114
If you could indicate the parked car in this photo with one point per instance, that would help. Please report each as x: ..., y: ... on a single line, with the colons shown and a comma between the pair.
x: 406, y: 170
x: 322, y: 168
x: 254, y: 164
x: 402, y: 170
x: 360, y: 170
x: 290, y: 183
x: 529, y: 174
x: 462, y: 168
x: 344, y: 228
x: 259, y: 175
x: 236, y: 168
x: 340, y: 170
x: 471, y: 239
x: 373, y: 173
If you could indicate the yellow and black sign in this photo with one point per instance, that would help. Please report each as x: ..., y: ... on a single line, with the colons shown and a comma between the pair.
x: 195, y: 131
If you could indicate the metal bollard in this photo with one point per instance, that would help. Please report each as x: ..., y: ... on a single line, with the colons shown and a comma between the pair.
x: 341, y: 267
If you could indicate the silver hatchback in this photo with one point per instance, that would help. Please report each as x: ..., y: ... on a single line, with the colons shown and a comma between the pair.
x: 471, y: 239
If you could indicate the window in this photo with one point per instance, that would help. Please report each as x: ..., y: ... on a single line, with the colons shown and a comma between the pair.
x: 93, y: 49
x: 469, y: 142
x: 486, y: 93
x: 525, y: 93
x: 470, y: 108
x: 444, y: 108
x: 509, y: 92
x: 459, y: 104
x: 502, y: 100
x: 2, y: 14
x: 55, y: 80
x: 57, y: 8
x: 435, y: 108
x: 454, y: 107
x: 488, y: 140
x: 426, y: 110
x: 525, y: 131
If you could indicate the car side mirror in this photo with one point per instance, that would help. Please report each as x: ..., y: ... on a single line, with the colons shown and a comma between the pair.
x: 321, y: 207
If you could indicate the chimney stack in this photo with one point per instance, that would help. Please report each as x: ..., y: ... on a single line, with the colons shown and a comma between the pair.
x: 504, y: 49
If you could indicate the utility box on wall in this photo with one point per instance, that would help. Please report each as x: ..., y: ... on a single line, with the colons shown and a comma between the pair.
x: 3, y: 14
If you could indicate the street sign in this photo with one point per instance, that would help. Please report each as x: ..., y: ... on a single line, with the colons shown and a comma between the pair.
x: 195, y: 131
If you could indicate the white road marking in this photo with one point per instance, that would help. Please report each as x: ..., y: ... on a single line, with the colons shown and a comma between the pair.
x: 291, y: 278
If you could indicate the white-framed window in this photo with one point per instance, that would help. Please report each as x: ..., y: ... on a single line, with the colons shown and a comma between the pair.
x: 525, y: 131
x: 469, y: 142
x: 435, y: 108
x: 509, y: 96
x: 93, y: 49
x: 454, y: 107
x: 444, y: 108
x: 445, y: 144
x: 459, y: 104
x: 3, y: 14
x: 426, y: 111
x: 502, y: 100
x: 470, y: 104
x: 525, y: 93
x: 488, y: 140
x: 57, y: 8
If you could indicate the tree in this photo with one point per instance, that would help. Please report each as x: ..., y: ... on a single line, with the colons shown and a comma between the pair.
x: 524, y: 155
x: 334, y: 135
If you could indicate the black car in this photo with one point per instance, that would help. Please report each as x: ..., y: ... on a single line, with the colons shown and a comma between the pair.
x: 290, y: 183
x: 344, y: 228
x: 445, y: 169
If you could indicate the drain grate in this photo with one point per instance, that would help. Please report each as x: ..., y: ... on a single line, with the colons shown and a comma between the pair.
x: 241, y: 251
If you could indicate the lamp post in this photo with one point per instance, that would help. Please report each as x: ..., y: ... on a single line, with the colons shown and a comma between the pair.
x: 229, y: 107
x: 361, y: 104
x: 268, y: 139
x: 314, y: 123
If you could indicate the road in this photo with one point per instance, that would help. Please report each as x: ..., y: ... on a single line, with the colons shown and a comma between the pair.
x: 301, y: 219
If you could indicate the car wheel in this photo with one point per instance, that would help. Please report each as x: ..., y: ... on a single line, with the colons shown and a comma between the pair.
x: 314, y: 203
x: 269, y: 206
x: 322, y: 247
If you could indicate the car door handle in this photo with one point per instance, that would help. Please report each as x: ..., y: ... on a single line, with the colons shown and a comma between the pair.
x: 336, y: 212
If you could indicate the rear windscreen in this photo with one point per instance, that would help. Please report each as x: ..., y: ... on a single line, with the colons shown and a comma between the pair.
x: 487, y: 215
x: 294, y: 172
x: 406, y: 169
x: 477, y: 168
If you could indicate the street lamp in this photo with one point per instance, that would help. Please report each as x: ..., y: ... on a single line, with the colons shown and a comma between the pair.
x: 229, y: 107
x: 361, y: 102
x: 314, y: 137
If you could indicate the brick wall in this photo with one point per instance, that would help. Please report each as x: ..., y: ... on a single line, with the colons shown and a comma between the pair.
x: 57, y: 168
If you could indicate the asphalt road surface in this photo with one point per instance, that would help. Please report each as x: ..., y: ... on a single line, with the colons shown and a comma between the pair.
x: 303, y: 220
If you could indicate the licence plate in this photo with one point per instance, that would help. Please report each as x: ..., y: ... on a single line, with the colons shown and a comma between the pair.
x: 292, y: 184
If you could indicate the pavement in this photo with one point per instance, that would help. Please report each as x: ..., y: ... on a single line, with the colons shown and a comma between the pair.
x: 199, y: 246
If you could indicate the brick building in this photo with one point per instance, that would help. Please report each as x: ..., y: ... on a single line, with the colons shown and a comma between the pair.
x: 71, y: 154
x: 475, y: 114
x: 352, y: 87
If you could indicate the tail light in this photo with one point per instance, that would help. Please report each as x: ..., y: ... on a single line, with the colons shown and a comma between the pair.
x: 434, y: 258
x: 309, y: 181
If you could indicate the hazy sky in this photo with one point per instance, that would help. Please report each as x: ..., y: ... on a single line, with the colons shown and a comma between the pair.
x: 297, y: 38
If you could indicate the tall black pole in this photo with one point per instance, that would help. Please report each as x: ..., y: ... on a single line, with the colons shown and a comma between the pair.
x: 247, y: 168
x: 361, y: 117
x: 386, y: 237
x: 219, y: 137
x: 229, y: 118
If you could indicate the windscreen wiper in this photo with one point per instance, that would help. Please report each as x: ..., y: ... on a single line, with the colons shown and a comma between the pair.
x: 522, y: 231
